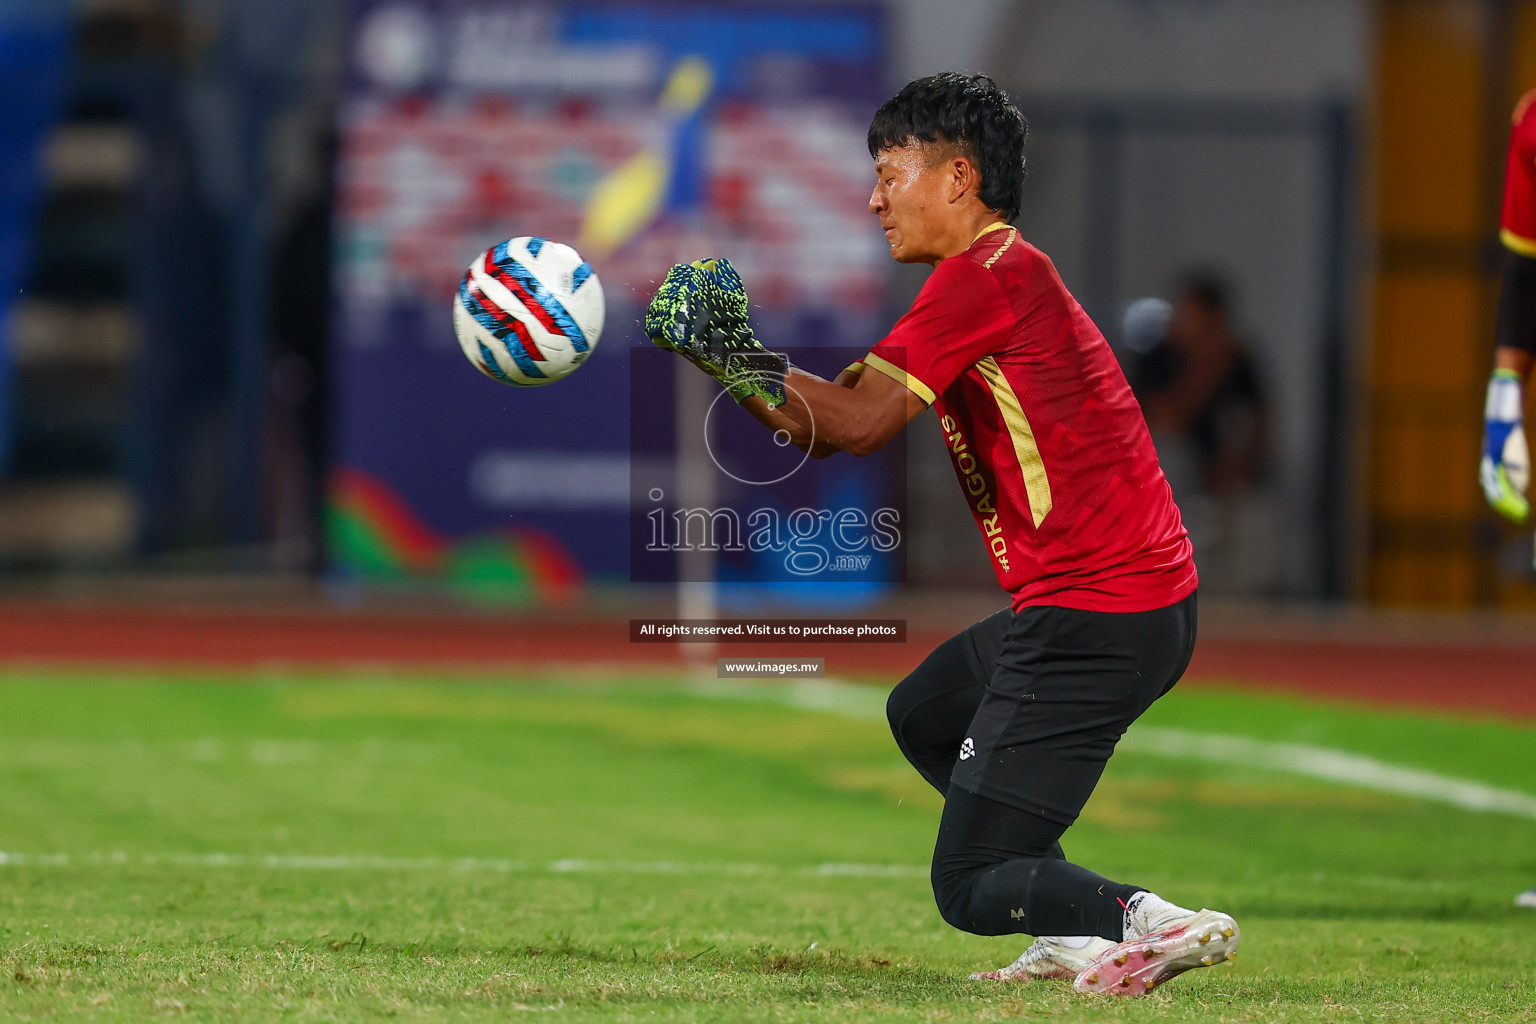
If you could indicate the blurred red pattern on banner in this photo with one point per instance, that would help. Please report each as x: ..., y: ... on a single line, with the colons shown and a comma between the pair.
x: 784, y: 194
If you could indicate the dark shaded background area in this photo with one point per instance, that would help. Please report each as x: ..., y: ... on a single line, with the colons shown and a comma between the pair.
x: 170, y: 335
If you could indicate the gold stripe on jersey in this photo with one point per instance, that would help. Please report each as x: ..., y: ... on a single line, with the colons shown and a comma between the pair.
x: 857, y: 367
x: 901, y: 377
x: 1516, y: 243
x: 1000, y: 249
x: 1036, y: 484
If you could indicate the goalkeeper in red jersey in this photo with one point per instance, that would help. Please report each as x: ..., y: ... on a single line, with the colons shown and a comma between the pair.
x: 1014, y: 719
x: 1505, y: 468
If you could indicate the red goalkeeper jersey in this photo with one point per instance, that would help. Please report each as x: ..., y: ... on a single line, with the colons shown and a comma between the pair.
x: 1049, y: 444
x: 1517, y: 225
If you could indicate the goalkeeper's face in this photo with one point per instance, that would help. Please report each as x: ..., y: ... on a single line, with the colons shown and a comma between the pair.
x: 912, y: 200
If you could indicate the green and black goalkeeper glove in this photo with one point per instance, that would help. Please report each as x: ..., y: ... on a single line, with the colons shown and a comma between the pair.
x: 700, y: 312
x: 1505, y: 469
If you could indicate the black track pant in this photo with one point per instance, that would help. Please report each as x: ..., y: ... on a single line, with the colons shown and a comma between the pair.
x: 1013, y: 721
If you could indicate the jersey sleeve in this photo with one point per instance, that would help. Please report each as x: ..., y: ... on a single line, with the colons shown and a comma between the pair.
x: 1517, y: 224
x: 959, y: 317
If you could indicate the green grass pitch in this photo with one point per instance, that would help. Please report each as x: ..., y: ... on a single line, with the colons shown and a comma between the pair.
x: 318, y: 848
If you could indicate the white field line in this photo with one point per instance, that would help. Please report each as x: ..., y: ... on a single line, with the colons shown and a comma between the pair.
x: 1333, y: 765
x: 1294, y: 758
x: 496, y: 865
x: 503, y: 866
x: 868, y: 702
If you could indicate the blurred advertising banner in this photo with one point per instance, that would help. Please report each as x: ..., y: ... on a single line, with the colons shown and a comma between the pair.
x: 34, y: 45
x: 715, y: 497
x: 644, y: 134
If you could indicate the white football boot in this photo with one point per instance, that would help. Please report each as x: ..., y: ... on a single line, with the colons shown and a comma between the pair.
x: 1162, y: 941
x: 1526, y: 899
x: 1049, y: 957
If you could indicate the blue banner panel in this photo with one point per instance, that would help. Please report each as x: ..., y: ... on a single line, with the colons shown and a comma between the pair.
x: 759, y: 508
x: 643, y: 134
x: 34, y: 48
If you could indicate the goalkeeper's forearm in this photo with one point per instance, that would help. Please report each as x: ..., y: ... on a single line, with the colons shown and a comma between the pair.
x: 800, y: 435
x: 777, y: 420
x: 859, y: 419
x: 1515, y: 324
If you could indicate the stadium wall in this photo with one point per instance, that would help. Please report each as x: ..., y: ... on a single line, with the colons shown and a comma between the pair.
x: 1174, y: 136
x: 1447, y: 76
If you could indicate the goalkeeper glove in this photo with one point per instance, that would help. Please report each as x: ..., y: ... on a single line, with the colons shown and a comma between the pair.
x: 1505, y: 469
x: 700, y: 312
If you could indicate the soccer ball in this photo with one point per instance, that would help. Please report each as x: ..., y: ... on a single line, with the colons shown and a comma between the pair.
x: 529, y: 311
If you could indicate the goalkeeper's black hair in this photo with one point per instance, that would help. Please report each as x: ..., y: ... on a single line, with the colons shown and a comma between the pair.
x: 970, y: 113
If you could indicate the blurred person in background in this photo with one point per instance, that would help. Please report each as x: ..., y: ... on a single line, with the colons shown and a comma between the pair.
x: 1203, y: 395
x: 1504, y: 469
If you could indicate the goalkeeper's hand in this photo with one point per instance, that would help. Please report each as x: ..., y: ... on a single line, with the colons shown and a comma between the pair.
x: 1505, y: 469
x: 700, y: 312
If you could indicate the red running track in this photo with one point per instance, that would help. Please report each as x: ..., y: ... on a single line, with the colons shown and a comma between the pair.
x: 1497, y: 680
